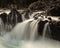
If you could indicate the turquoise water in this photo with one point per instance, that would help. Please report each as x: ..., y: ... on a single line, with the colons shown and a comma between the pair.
x: 41, y: 43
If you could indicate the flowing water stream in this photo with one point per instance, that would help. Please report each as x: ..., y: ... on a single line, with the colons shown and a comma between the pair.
x: 25, y: 35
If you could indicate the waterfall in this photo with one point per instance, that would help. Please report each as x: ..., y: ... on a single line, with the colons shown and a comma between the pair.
x: 24, y: 34
x: 16, y: 18
x: 6, y: 25
x: 33, y: 31
x: 2, y: 30
x: 46, y: 30
x: 1, y: 25
x: 26, y: 30
x: 23, y: 18
x: 20, y: 30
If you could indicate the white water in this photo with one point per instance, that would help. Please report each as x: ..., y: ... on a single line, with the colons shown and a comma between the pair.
x: 18, y: 38
x: 20, y: 30
x: 33, y: 31
x: 46, y: 30
x: 23, y: 18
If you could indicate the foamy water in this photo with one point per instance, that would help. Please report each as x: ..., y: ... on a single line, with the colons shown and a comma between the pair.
x: 41, y: 43
x: 17, y: 38
x: 14, y: 40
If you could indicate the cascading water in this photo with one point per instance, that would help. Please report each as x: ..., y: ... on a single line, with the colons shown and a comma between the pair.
x: 2, y: 30
x: 12, y: 18
x: 1, y: 25
x: 16, y: 18
x: 20, y: 30
x: 46, y: 30
x: 18, y: 37
x: 6, y: 25
x: 23, y: 18
x: 33, y: 31
x: 24, y: 34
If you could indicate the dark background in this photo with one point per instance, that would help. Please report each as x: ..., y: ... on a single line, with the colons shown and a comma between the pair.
x: 26, y: 3
x: 19, y: 3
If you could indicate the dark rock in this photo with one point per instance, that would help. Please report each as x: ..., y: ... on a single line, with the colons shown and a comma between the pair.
x: 4, y: 17
x: 13, y: 15
x: 55, y: 31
